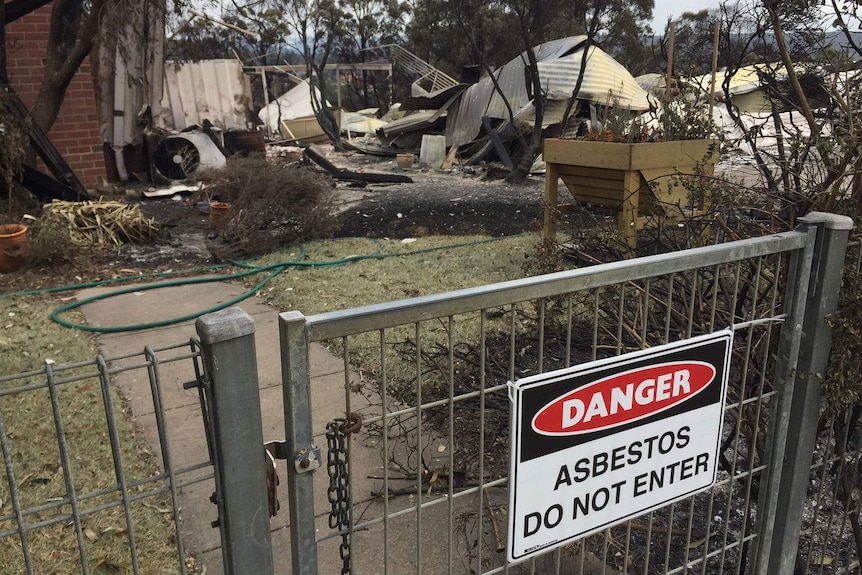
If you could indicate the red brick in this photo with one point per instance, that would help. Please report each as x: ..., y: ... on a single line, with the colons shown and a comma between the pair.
x: 76, y: 133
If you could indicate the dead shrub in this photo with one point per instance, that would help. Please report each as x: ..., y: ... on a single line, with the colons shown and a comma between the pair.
x: 51, y: 242
x: 272, y: 205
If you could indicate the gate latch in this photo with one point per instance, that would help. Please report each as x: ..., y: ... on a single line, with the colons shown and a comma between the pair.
x: 304, y: 460
x: 272, y: 481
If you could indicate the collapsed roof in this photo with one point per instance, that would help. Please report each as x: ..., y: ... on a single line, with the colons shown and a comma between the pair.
x: 458, y: 109
x: 605, y: 82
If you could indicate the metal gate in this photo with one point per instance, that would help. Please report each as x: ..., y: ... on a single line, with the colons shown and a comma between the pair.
x: 89, y: 487
x: 420, y: 486
x: 401, y: 467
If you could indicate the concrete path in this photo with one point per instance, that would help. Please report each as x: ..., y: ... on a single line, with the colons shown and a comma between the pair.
x: 186, y: 440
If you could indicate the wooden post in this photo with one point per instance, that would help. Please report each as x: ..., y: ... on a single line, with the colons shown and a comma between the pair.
x: 670, y: 42
x: 627, y: 216
x: 714, y: 69
x: 552, y: 177
x: 338, y: 84
x: 266, y: 102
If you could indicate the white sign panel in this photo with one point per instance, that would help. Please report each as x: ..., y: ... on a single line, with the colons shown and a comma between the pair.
x: 596, y: 444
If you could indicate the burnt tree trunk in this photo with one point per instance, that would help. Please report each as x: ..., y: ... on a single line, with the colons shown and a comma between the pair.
x: 72, y: 36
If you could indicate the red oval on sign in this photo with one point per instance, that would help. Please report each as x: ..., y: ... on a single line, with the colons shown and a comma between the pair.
x: 623, y: 398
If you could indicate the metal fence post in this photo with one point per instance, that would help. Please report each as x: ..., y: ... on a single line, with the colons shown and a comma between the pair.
x: 299, y: 437
x: 227, y: 339
x: 790, y: 452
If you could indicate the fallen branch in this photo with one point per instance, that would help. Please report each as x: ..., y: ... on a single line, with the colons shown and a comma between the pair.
x: 316, y: 155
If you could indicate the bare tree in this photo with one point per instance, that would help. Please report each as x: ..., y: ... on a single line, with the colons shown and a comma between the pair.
x: 813, y: 157
x: 317, y: 25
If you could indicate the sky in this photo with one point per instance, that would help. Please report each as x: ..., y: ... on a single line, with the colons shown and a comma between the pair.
x: 665, y: 8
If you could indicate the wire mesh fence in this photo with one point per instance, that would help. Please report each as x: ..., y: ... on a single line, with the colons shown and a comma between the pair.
x: 93, y: 482
x: 89, y: 486
x: 428, y: 472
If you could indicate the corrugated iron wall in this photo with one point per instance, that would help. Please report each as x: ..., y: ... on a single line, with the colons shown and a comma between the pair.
x: 216, y: 90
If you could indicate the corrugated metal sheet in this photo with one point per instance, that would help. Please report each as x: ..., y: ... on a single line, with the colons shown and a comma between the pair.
x: 745, y: 80
x: 559, y: 65
x: 409, y: 123
x: 432, y: 100
x: 605, y: 81
x: 480, y: 99
x: 216, y: 90
x: 511, y: 76
x: 652, y: 82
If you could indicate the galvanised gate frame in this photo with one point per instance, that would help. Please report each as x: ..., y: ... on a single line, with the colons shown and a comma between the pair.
x: 438, y: 368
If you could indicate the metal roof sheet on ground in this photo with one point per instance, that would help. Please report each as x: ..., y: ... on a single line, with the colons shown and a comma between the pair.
x: 793, y: 124
x: 605, y: 82
x: 433, y: 100
x: 511, y: 76
x: 216, y: 90
x: 410, y: 123
x: 480, y: 99
x: 744, y: 81
x: 652, y: 82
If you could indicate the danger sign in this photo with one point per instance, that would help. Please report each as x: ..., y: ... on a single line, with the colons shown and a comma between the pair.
x: 595, y: 444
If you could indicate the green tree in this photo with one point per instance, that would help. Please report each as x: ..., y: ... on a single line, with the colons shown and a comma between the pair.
x: 435, y: 31
x: 254, y: 32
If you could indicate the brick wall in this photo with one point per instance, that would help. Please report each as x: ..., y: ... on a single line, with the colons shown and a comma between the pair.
x: 76, y: 132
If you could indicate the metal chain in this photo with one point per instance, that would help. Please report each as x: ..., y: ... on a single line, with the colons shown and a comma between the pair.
x: 338, y: 492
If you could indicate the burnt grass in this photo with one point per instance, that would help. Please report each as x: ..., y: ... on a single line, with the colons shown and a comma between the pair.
x: 402, y: 213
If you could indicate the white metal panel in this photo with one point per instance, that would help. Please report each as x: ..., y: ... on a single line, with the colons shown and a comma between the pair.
x: 172, y: 105
x: 295, y: 103
x: 214, y: 90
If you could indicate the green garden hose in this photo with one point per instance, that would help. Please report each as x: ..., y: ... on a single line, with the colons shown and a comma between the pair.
x: 250, y: 269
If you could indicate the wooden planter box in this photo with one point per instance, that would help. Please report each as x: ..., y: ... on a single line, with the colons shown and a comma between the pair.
x: 634, y: 179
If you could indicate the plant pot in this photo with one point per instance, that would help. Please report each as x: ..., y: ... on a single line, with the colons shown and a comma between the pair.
x: 14, y: 250
x: 218, y: 214
x: 404, y: 161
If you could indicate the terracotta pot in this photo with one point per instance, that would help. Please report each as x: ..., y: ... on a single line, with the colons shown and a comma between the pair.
x: 14, y: 250
x: 404, y: 161
x: 218, y: 214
